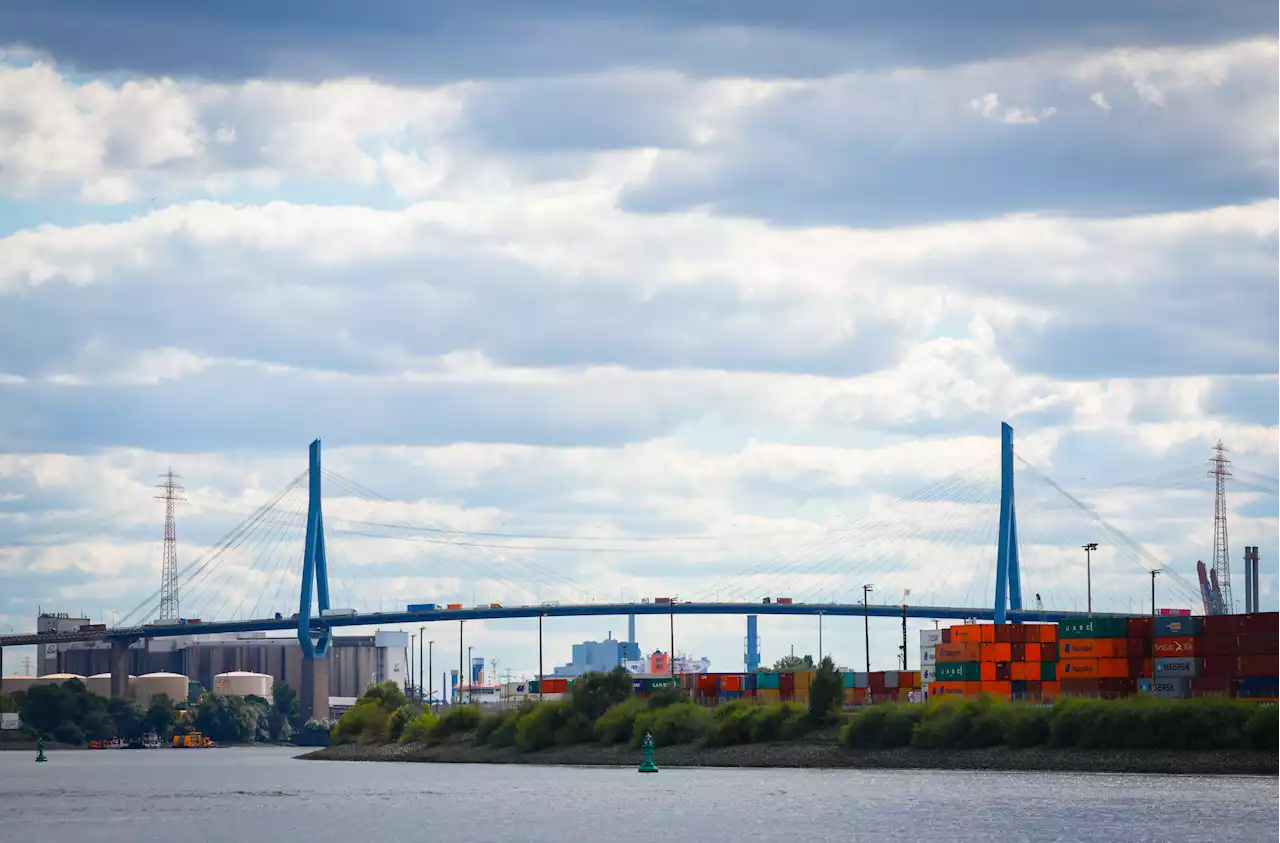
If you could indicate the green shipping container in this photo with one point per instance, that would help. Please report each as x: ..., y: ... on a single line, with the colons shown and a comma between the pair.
x: 767, y: 681
x: 1048, y: 671
x: 533, y: 686
x: 848, y: 680
x: 657, y: 684
x: 957, y: 672
x: 1094, y: 628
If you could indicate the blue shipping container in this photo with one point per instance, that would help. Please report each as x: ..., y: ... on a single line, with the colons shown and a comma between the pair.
x: 730, y: 695
x: 1257, y: 687
x: 421, y: 607
x: 1179, y: 626
x: 750, y: 680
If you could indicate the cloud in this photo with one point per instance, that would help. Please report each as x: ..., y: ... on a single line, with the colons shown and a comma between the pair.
x: 1099, y: 99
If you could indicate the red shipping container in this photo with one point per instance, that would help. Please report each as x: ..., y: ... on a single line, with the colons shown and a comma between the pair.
x: 1219, y: 645
x: 787, y: 684
x: 1258, y: 644
x: 1258, y: 666
x: 1261, y: 622
x: 1002, y: 672
x: 1207, y: 684
x: 987, y: 671
x: 1049, y: 651
x: 1002, y: 633
x: 1220, y: 667
x: 731, y: 682
x: 876, y: 680
x: 1017, y: 634
x: 1140, y: 647
x: 1176, y: 648
x: 1139, y: 627
x: 707, y: 683
x: 1018, y: 651
x: 1079, y: 686
x: 1224, y: 624
x: 946, y: 635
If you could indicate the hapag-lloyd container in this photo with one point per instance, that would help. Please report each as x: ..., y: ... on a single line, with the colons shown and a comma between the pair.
x: 928, y: 655
x: 928, y: 675
x: 1185, y: 668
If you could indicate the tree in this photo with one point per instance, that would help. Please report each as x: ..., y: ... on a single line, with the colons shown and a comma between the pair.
x: 159, y: 715
x: 8, y: 705
x: 284, y: 700
x: 594, y: 693
x: 824, y: 692
x: 129, y: 718
x: 792, y: 664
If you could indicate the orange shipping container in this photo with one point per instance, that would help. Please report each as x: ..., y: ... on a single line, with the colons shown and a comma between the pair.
x: 1049, y: 690
x: 987, y: 633
x: 961, y: 634
x: 946, y: 689
x: 962, y: 651
x: 1000, y: 689
x: 1048, y: 633
x: 1018, y: 672
x: 1175, y: 648
x: 987, y: 671
x: 731, y: 683
x: 1093, y: 648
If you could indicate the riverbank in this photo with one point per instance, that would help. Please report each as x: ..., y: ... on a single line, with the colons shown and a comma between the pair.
x: 824, y: 752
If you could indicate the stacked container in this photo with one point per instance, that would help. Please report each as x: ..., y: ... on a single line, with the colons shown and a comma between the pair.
x: 1177, y: 651
x: 929, y: 641
x: 1093, y: 658
x: 1240, y: 655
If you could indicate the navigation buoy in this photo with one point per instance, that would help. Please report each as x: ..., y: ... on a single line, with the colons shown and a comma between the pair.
x: 647, y: 765
x: 40, y: 750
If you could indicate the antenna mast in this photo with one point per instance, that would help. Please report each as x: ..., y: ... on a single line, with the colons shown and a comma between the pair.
x: 1220, y: 470
x: 169, y: 569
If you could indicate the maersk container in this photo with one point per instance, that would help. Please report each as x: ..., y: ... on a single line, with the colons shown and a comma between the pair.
x: 1171, y: 687
x: 1094, y: 628
x: 1179, y: 626
x: 1185, y: 668
x: 958, y: 671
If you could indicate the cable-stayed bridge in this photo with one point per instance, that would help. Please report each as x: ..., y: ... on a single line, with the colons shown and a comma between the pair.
x: 965, y: 546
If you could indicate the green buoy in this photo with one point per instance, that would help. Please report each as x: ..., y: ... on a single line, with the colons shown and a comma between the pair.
x: 647, y: 765
x: 40, y: 750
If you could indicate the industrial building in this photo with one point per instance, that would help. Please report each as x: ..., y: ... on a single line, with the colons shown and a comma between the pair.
x: 597, y: 655
x: 355, y: 661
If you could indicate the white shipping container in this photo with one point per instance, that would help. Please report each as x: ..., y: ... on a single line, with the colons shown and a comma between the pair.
x: 930, y: 637
x: 891, y: 678
x: 928, y: 655
x: 336, y: 613
x: 926, y: 675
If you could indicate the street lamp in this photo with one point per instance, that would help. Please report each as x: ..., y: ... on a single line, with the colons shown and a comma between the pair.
x: 409, y: 667
x: 422, y: 636
x: 1154, y: 573
x: 819, y: 638
x: 431, y: 669
x: 866, y: 623
x: 470, y: 680
x: 1088, y: 574
x: 672, y: 657
x: 457, y: 695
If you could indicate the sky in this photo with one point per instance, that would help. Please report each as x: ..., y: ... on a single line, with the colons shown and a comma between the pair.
x: 609, y: 302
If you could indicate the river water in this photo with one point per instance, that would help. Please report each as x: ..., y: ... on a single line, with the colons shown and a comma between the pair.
x: 238, y: 795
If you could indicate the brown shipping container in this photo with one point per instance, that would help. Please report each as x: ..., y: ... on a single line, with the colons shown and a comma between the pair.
x: 962, y: 651
x: 1176, y: 648
x: 1263, y: 623
x: 1079, y: 686
x: 1049, y: 651
x: 1002, y: 672
x: 1209, y: 685
x: 1093, y: 648
x: 1224, y: 624
x: 1002, y: 633
x: 1139, y: 666
x: 1018, y: 651
x: 1259, y: 644
x: 1000, y: 689
x: 1140, y: 647
x: 1139, y: 627
x: 1219, y: 667
x: 946, y: 636
x: 787, y: 683
x: 1258, y: 666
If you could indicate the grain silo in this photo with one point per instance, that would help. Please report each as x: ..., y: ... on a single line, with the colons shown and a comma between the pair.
x: 100, y: 684
x: 240, y: 683
x: 149, y: 685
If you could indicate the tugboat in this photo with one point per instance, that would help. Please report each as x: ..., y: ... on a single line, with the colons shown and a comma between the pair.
x: 191, y: 740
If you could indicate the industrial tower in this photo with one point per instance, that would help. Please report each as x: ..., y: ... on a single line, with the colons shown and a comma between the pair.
x: 169, y: 569
x: 1220, y: 469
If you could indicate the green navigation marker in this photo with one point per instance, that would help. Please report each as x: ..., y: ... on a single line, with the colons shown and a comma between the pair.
x: 647, y: 765
x: 40, y: 750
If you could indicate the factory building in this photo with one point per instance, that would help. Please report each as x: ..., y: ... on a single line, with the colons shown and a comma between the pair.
x: 355, y: 661
x: 597, y: 656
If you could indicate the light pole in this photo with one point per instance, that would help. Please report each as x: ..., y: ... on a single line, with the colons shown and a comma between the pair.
x: 422, y: 637
x: 457, y: 695
x: 1088, y: 575
x: 1154, y: 573
x: 409, y: 667
x: 819, y: 638
x: 866, y: 623
x: 540, y: 679
x: 672, y: 657
x: 431, y: 669
x: 470, y: 680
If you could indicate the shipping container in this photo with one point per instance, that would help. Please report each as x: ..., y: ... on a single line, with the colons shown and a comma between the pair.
x: 1139, y: 628
x: 1175, y: 648
x: 787, y: 684
x: 555, y: 686
x: 928, y: 675
x: 1257, y: 687
x: 1140, y: 647
x: 1048, y: 670
x: 421, y: 607
x: 930, y: 638
x: 1185, y: 668
x: 1257, y: 666
x: 454, y: 606
x: 987, y: 671
x: 997, y: 652
x: 928, y: 655
x: 1018, y: 651
x: 730, y: 682
x: 1179, y: 626
x: 1203, y: 686
x: 1171, y: 687
x: 946, y: 636
x: 946, y: 689
x: 1262, y: 623
x: 986, y: 633
x: 802, y: 680
x: 891, y: 679
x: 966, y: 632
x: 960, y: 651
x: 958, y: 671
x: 999, y: 689
x: 767, y: 681
x: 1098, y: 668
x: 1093, y: 648
x: 765, y: 696
x: 1094, y: 628
x: 783, y: 600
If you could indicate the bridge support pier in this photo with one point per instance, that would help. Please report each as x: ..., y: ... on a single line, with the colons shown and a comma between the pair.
x: 119, y: 661
x: 314, y: 696
x: 753, y: 644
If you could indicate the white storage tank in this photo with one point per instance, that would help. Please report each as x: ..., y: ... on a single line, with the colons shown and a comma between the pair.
x: 149, y: 685
x: 16, y: 682
x: 100, y: 684
x: 240, y: 683
x: 54, y: 679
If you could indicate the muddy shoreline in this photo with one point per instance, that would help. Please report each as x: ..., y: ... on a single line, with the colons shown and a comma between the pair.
x: 828, y: 755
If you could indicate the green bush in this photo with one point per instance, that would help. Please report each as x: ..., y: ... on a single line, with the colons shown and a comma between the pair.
x: 884, y: 726
x: 672, y: 724
x: 489, y: 723
x: 617, y: 724
x: 1263, y: 729
x: 731, y: 724
x: 459, y: 720
x: 955, y: 723
x: 779, y: 722
x: 418, y: 730
x: 551, y: 724
x: 505, y: 733
x: 363, y: 723
x: 1026, y: 726
x: 825, y: 693
x: 595, y: 693
x: 400, y: 720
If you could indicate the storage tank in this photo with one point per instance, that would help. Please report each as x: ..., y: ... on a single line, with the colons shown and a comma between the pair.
x: 17, y: 682
x: 149, y: 685
x: 54, y: 679
x: 100, y: 684
x: 240, y: 683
